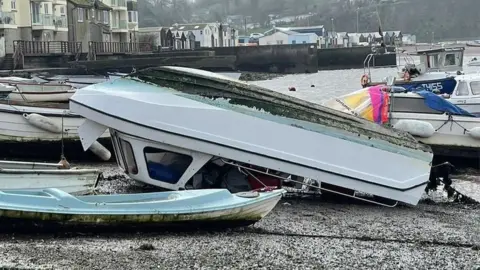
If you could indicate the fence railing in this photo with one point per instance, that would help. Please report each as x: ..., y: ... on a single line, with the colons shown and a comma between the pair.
x: 119, y: 47
x: 47, y: 47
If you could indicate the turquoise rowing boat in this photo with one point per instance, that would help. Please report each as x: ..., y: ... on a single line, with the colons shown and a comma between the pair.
x: 206, y: 205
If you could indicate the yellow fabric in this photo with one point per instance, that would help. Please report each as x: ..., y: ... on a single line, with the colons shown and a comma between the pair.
x: 356, y: 99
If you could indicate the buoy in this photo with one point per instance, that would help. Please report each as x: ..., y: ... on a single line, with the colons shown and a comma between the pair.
x: 291, y: 88
x: 312, y: 85
x: 415, y: 127
x: 42, y: 122
x: 100, y: 151
x: 63, y: 163
x: 475, y: 133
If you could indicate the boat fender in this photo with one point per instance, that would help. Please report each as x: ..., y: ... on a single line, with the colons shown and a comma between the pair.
x: 406, y: 76
x: 475, y: 133
x: 364, y: 80
x: 42, y: 122
x: 100, y: 150
x: 415, y: 127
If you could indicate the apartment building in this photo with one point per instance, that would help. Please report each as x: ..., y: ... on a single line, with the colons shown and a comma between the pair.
x: 32, y: 20
x: 67, y: 20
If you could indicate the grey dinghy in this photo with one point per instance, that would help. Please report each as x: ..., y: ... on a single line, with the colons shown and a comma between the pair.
x: 174, y: 127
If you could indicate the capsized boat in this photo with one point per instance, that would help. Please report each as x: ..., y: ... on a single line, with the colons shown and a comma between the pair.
x: 36, y: 175
x: 449, y: 129
x: 436, y: 71
x: 211, y: 206
x: 177, y: 127
x: 24, y: 122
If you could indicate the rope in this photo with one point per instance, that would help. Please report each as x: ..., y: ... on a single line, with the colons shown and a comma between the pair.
x: 450, y: 118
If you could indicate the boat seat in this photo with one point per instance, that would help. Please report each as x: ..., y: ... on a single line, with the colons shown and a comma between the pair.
x: 163, y: 173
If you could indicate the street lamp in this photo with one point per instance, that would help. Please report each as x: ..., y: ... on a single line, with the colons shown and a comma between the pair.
x: 357, y: 19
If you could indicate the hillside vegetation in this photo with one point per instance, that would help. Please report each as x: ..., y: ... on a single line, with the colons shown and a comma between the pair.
x: 438, y: 19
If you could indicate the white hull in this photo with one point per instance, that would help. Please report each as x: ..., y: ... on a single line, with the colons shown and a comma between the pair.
x: 448, y: 133
x: 14, y: 126
x: 313, y: 151
x: 72, y: 181
x: 41, y: 97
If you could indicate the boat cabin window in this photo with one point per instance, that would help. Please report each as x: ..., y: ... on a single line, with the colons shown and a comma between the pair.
x: 450, y: 59
x: 432, y: 61
x: 462, y: 89
x: 128, y: 156
x: 166, y: 166
x: 475, y: 86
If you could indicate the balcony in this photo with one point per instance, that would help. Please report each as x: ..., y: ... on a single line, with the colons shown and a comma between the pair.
x: 60, y: 23
x: 119, y: 26
x: 119, y: 4
x: 7, y: 20
x: 59, y: 2
x: 42, y: 22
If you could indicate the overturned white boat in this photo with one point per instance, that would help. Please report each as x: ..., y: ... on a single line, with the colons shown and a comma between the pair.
x: 23, y: 122
x: 35, y: 175
x: 207, y: 129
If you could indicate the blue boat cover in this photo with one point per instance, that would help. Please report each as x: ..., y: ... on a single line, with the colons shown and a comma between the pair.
x: 438, y: 103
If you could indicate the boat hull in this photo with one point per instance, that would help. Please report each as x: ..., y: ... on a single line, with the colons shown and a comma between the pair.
x: 15, y: 128
x: 445, y: 86
x: 450, y: 136
x: 63, y: 96
x: 74, y: 181
x: 156, y: 209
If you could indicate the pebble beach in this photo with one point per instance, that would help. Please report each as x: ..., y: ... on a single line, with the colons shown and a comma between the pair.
x: 297, y: 234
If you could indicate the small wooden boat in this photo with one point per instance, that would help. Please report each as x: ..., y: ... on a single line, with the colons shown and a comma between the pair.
x: 34, y: 175
x: 158, y: 208
x: 38, y: 123
x: 36, y: 92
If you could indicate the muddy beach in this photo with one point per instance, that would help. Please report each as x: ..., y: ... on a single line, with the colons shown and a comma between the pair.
x: 298, y: 234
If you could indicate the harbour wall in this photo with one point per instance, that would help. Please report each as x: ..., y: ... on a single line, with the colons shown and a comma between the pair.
x: 354, y: 57
x: 292, y: 58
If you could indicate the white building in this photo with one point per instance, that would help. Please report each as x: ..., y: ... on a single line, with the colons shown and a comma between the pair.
x: 204, y: 36
x: 288, y: 37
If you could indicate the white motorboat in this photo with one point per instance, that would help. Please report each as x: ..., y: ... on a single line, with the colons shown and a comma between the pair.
x: 208, y: 129
x: 37, y: 122
x: 474, y: 62
x: 436, y: 71
x: 450, y: 130
x: 34, y: 175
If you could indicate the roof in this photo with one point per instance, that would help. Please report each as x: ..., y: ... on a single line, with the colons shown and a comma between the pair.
x: 438, y: 50
x: 189, y: 27
x: 88, y: 4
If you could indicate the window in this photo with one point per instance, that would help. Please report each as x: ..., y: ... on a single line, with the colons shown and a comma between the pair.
x: 475, y: 86
x: 62, y: 11
x: 46, y: 9
x: 294, y: 42
x: 450, y: 59
x: 132, y: 16
x: 304, y: 42
x: 80, y: 14
x: 13, y: 4
x: 105, y: 17
x: 201, y: 32
x: 462, y: 89
x: 279, y: 41
x: 166, y: 166
x: 129, y: 157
